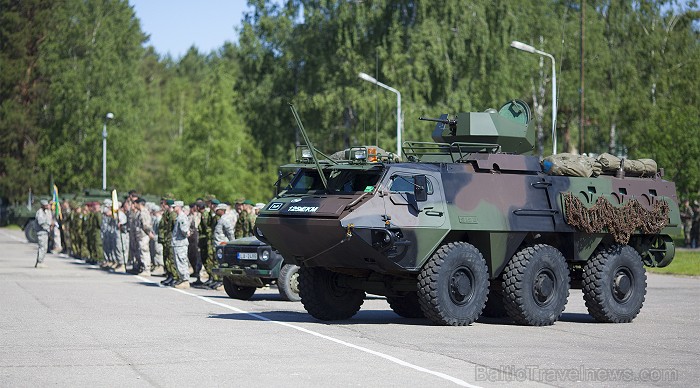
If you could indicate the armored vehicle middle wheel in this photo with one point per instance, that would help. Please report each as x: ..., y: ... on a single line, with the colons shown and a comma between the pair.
x: 536, y: 285
x: 453, y: 285
x: 237, y: 292
x: 614, y: 284
x: 324, y: 298
x: 288, y: 282
x: 406, y: 306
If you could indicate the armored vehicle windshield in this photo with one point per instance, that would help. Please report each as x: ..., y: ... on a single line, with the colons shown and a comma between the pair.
x: 341, y: 180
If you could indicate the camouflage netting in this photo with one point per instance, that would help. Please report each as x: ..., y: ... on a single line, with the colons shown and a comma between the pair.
x: 621, y: 222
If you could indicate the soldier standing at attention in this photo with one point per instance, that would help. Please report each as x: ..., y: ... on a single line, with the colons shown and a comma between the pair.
x: 122, y: 237
x: 206, y: 250
x: 144, y: 233
x: 156, y: 247
x: 180, y: 231
x: 246, y: 220
x: 223, y: 232
x: 165, y: 235
x: 193, y: 248
x: 44, y: 223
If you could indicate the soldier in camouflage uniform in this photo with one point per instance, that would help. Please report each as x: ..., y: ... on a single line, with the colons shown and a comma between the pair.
x: 206, y: 249
x: 180, y: 243
x: 122, y: 238
x: 224, y: 230
x: 165, y: 230
x: 246, y: 220
x: 104, y: 234
x: 94, y: 220
x: 44, y: 223
x: 144, y: 233
x: 83, y: 230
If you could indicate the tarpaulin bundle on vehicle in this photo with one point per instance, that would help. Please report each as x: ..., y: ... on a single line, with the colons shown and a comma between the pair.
x: 584, y: 166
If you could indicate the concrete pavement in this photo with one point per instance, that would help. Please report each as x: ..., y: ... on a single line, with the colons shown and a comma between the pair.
x: 73, y: 324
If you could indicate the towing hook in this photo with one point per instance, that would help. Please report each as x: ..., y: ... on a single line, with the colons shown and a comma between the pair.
x: 348, y: 232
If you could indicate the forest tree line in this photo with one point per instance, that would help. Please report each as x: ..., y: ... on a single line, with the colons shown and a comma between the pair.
x: 219, y: 122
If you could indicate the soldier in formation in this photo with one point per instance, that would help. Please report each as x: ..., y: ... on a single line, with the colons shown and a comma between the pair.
x: 146, y: 237
x: 246, y: 220
x: 180, y: 243
x: 44, y: 225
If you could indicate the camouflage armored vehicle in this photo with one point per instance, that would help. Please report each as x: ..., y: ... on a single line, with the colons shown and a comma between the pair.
x: 247, y: 264
x: 469, y: 217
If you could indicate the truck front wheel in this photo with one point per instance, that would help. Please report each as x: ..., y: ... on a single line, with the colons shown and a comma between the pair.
x: 453, y: 285
x: 324, y: 298
x: 237, y: 292
x: 30, y: 231
x: 288, y: 282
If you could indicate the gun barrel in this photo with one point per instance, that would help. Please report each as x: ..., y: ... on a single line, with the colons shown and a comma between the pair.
x: 444, y: 121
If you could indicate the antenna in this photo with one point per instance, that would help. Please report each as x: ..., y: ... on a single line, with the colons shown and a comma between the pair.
x: 311, y: 146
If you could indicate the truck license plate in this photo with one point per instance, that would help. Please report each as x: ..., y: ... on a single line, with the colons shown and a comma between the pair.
x: 247, y: 256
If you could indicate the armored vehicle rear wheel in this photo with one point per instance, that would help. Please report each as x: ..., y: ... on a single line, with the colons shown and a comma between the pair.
x: 30, y: 231
x: 536, y: 285
x: 288, y: 282
x: 237, y: 292
x: 324, y: 298
x: 453, y: 285
x: 494, y: 304
x: 406, y: 306
x: 614, y: 284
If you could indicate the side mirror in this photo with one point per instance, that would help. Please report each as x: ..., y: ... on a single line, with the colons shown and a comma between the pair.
x: 420, y: 188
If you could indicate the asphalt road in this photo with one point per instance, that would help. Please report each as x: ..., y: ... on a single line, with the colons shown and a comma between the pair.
x: 75, y: 325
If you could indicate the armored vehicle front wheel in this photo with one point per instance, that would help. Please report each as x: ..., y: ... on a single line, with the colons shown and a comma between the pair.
x: 324, y: 298
x: 536, y: 285
x: 453, y: 285
x: 237, y: 292
x: 288, y: 282
x: 406, y: 306
x: 614, y: 284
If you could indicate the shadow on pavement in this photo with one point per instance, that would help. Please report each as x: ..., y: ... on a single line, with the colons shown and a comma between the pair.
x: 369, y: 317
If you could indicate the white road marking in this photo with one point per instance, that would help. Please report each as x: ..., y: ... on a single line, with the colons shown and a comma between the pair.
x: 319, y: 335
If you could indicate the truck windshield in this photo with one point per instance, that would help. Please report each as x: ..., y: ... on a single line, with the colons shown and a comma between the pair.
x: 340, y: 181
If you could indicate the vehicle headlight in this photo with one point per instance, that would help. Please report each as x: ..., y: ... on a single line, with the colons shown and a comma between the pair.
x: 361, y: 154
x: 306, y: 153
x: 265, y: 255
x: 219, y: 254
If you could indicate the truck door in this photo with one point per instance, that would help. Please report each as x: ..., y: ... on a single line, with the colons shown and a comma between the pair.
x: 402, y: 206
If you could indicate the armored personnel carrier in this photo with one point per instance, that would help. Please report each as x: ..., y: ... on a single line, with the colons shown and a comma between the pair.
x: 470, y: 217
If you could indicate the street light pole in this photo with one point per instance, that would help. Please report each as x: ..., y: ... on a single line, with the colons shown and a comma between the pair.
x: 373, y: 80
x: 109, y: 116
x: 527, y: 48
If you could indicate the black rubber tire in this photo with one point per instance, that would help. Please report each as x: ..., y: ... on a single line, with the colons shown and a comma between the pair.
x: 536, y: 285
x: 237, y: 292
x: 323, y: 298
x: 494, y: 304
x: 288, y: 282
x: 406, y: 306
x: 453, y: 285
x: 30, y: 231
x: 614, y: 284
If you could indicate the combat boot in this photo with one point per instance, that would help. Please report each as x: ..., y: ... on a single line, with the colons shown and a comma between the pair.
x: 168, y: 280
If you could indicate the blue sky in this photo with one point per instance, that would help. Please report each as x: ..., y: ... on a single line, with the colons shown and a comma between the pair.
x: 175, y: 25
